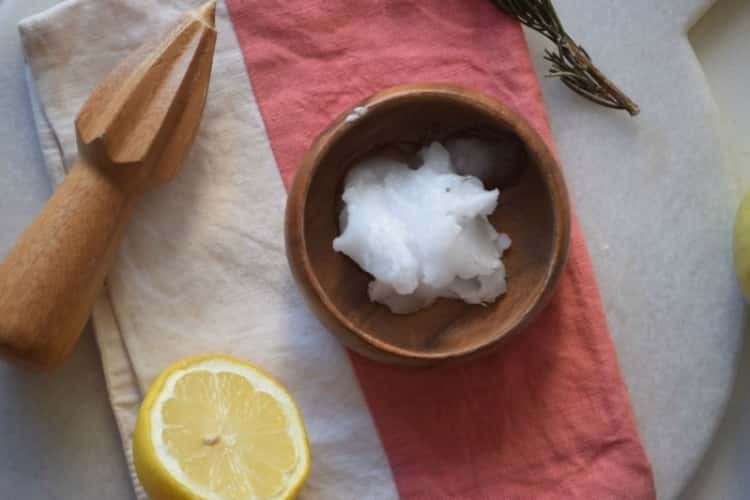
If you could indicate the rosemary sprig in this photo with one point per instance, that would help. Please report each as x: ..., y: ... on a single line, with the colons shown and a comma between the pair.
x: 570, y: 62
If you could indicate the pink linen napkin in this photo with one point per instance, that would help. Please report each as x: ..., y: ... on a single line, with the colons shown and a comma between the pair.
x: 548, y: 416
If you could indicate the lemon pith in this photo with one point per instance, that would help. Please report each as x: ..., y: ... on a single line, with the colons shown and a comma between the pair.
x: 218, y: 428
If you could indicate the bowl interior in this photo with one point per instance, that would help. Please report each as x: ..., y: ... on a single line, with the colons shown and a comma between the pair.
x: 525, y: 211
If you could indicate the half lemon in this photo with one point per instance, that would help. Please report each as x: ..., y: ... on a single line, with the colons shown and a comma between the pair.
x: 214, y: 427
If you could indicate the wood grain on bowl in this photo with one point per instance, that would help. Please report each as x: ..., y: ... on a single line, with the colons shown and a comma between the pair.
x: 533, y: 209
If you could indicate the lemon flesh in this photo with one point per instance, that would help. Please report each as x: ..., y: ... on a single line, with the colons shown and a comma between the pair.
x: 218, y: 428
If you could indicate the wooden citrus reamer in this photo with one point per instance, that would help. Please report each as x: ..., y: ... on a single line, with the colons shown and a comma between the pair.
x: 133, y: 133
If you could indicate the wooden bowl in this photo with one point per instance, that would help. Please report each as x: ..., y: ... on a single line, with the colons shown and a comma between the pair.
x: 533, y: 210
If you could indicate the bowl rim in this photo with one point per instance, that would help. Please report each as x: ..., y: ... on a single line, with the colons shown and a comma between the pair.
x: 296, y: 244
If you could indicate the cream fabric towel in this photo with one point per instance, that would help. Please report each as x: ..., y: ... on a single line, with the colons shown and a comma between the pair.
x: 202, y: 268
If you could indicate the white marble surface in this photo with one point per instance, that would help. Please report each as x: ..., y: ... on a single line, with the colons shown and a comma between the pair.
x: 721, y: 40
x: 677, y: 344
x: 656, y: 201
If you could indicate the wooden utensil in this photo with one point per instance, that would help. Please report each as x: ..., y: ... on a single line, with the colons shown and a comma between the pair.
x: 133, y: 133
x: 533, y: 210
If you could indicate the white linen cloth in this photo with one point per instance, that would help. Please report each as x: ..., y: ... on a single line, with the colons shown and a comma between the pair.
x: 202, y: 267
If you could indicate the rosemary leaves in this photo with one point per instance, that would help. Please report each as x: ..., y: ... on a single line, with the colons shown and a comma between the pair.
x: 570, y: 62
